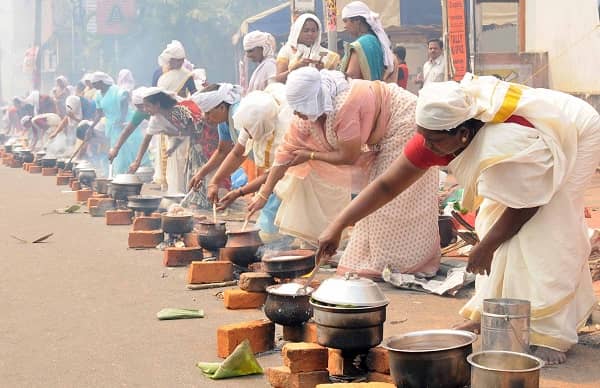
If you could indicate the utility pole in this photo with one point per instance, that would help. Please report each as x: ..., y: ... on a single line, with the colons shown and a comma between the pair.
x: 331, y: 34
x: 37, y: 42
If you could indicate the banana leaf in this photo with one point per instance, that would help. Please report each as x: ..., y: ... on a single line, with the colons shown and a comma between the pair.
x: 72, y: 208
x: 239, y: 363
x: 173, y: 313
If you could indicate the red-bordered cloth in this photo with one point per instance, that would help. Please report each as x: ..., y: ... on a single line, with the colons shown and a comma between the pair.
x: 422, y: 157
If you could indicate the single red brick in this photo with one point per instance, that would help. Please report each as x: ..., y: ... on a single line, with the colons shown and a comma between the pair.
x: 304, y: 357
x: 278, y: 377
x: 191, y: 239
x: 98, y: 195
x: 91, y: 202
x: 282, y: 377
x: 145, y: 238
x: 83, y: 195
x: 378, y: 360
x: 255, y: 281
x: 117, y: 217
x: 49, y: 171
x: 15, y: 164
x: 260, y: 333
x: 146, y: 223
x: 62, y: 180
x: 236, y: 299
x: 209, y: 272
x: 75, y: 185
x: 35, y: 169
x: 303, y: 333
x: 380, y: 377
x: 27, y: 165
x: 174, y: 257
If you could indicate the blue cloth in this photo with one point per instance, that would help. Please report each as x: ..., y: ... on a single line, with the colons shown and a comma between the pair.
x: 225, y: 132
x: 88, y: 108
x: 369, y: 51
x: 111, y: 105
x: 238, y: 178
x: 266, y: 219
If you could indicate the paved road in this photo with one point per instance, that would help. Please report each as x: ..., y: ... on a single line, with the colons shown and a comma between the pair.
x: 79, y: 310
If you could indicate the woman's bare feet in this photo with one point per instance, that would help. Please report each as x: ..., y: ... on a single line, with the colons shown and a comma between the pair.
x: 550, y: 356
x: 468, y: 325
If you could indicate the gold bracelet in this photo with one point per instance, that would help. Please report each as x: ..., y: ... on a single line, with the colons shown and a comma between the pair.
x: 261, y: 195
x: 312, y: 156
x: 211, y: 185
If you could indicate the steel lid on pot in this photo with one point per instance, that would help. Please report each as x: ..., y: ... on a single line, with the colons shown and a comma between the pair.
x: 126, y: 179
x: 350, y: 290
x: 288, y: 289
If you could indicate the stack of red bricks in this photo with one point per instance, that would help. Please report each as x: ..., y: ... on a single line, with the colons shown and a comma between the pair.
x: 377, y: 363
x: 146, y: 232
x: 186, y: 255
x: 63, y: 178
x: 251, y: 293
x: 305, y: 365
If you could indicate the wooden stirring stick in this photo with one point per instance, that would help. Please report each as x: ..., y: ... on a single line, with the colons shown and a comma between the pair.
x: 215, y: 212
x: 245, y: 223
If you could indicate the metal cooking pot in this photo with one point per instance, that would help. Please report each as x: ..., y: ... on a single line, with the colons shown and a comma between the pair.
x: 285, y: 307
x: 248, y: 237
x: 350, y: 290
x: 143, y: 203
x: 86, y: 176
x: 430, y: 358
x: 25, y: 156
x: 120, y: 191
x: 101, y: 185
x: 8, y: 148
x: 290, y: 264
x: 349, y: 328
x: 447, y: 230
x: 48, y: 162
x: 171, y: 199
x: 61, y: 163
x: 211, y: 236
x: 504, y: 369
x: 242, y: 256
x: 177, y: 224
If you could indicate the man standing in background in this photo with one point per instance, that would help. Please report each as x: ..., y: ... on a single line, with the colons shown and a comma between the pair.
x: 434, y: 69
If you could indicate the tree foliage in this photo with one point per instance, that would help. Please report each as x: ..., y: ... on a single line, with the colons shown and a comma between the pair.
x: 205, y: 27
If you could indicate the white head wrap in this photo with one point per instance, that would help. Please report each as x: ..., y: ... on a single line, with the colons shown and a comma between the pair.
x: 151, y: 91
x: 260, y: 39
x: 137, y: 95
x: 63, y: 79
x: 444, y: 105
x: 86, y: 77
x: 226, y: 93
x: 174, y: 50
x: 358, y: 8
x: 73, y: 105
x: 101, y: 76
x: 295, y: 31
x: 125, y: 80
x: 257, y: 114
x: 311, y: 92
x: 25, y: 120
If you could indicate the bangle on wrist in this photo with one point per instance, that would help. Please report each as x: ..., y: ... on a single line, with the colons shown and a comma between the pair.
x: 312, y: 156
x: 261, y: 195
x: 241, y: 192
x: 211, y: 185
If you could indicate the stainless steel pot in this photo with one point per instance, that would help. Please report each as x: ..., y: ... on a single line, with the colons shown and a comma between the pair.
x: 101, y: 185
x: 146, y: 204
x: 350, y: 290
x: 349, y: 328
x: 430, y: 358
x: 501, y: 369
x: 86, y: 176
x: 177, y: 224
x: 171, y: 199
x: 48, y: 162
x: 290, y: 264
x: 120, y: 191
x: 283, y: 306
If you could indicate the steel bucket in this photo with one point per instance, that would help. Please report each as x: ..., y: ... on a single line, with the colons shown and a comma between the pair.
x: 505, y: 325
x: 500, y: 369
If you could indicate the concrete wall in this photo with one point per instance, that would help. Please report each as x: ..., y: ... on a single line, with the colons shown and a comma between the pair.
x: 569, y: 32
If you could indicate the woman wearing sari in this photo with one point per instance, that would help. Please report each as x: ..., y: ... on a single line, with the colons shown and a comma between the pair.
x: 260, y: 48
x: 262, y: 119
x: 524, y: 157
x: 336, y: 120
x: 370, y: 56
x: 177, y: 120
x: 113, y: 104
x: 303, y: 48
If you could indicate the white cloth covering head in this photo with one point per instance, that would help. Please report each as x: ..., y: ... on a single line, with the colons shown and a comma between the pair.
x: 311, y: 92
x: 358, y: 8
x: 25, y: 120
x: 228, y: 93
x: 63, y: 79
x: 153, y: 90
x: 73, y: 105
x: 100, y: 76
x: 260, y: 39
x: 137, y: 95
x: 443, y: 106
x: 125, y: 80
x: 174, y: 50
x: 86, y: 77
x: 257, y: 114
x: 296, y: 30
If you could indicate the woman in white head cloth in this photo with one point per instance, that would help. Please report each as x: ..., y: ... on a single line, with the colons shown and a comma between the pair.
x: 303, y: 48
x: 77, y: 109
x: 89, y: 92
x: 260, y: 49
x: 175, y: 78
x: 370, y: 56
x: 125, y: 80
x: 524, y: 157
x: 262, y: 119
x: 336, y: 120
x: 219, y: 102
x: 113, y: 104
